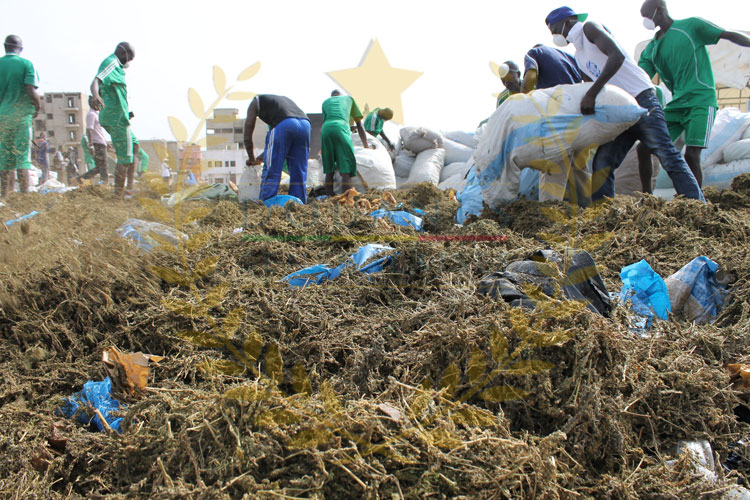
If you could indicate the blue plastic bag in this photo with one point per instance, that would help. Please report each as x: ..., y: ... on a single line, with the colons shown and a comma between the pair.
x: 141, y: 232
x: 471, y: 198
x: 99, y: 396
x: 361, y: 259
x: 694, y: 291
x: 646, y: 292
x: 399, y: 217
x: 281, y: 200
x: 22, y: 218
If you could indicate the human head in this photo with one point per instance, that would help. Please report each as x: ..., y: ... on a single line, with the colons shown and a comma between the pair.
x: 386, y: 114
x: 13, y: 44
x: 335, y: 93
x: 42, y: 135
x: 560, y: 21
x: 124, y: 52
x: 512, y: 80
x: 654, y: 11
x: 91, y: 102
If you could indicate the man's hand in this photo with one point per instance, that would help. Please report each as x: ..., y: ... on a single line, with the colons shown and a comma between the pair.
x: 97, y: 102
x: 91, y: 150
x: 587, y: 104
x: 252, y: 162
x: 36, y: 111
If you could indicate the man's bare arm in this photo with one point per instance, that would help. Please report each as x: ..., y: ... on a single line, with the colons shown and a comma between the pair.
x: 35, y: 100
x: 252, y: 115
x: 736, y: 37
x: 98, y: 104
x: 615, y: 59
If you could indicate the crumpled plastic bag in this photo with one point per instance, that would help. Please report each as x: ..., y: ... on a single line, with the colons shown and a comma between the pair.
x: 361, y: 259
x: 647, y: 293
x: 96, y: 395
x: 399, y: 217
x: 695, y: 292
x: 148, y: 235
x: 281, y: 200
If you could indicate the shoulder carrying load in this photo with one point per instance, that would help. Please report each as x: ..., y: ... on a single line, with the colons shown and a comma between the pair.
x: 544, y: 130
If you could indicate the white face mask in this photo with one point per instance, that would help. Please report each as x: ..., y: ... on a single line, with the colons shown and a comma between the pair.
x: 649, y: 23
x: 126, y: 65
x: 560, y: 40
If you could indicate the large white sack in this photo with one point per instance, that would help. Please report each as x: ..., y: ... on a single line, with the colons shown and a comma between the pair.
x: 456, y: 183
x: 454, y: 169
x: 249, y: 187
x: 418, y: 139
x: 465, y: 138
x: 739, y: 150
x: 374, y: 166
x: 403, y: 163
x: 427, y: 167
x: 719, y: 176
x: 535, y: 130
x: 400, y: 181
x: 456, y: 152
x: 315, y: 175
x: 728, y: 128
x: 628, y: 177
x: 746, y: 135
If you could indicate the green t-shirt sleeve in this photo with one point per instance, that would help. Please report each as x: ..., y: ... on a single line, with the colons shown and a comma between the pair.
x: 30, y: 76
x: 645, y: 61
x: 355, y: 114
x: 706, y: 32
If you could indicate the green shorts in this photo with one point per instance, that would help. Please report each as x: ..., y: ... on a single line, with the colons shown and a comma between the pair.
x: 337, y: 148
x: 122, y: 140
x: 695, y: 122
x: 15, y: 144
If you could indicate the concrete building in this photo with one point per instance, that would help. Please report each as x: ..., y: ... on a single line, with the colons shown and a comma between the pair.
x: 176, y: 154
x: 223, y: 165
x: 63, y: 119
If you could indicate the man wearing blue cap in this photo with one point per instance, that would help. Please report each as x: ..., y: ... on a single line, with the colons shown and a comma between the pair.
x: 601, y: 59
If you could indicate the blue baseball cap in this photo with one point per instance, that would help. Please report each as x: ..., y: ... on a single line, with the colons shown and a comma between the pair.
x: 561, y: 14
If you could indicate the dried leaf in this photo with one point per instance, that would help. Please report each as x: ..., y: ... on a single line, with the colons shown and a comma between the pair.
x: 253, y: 347
x: 196, y: 103
x: 220, y: 80
x: 390, y: 412
x: 301, y: 380
x: 249, y: 72
x: 201, y: 339
x: 156, y: 210
x: 450, y: 380
x: 170, y: 275
x: 241, y: 96
x: 499, y: 394
x: 477, y: 367
x: 206, y: 266
x: 129, y: 371
x: 274, y: 363
x: 311, y: 438
x: 198, y: 241
x: 529, y: 367
x: 232, y: 322
x: 499, y: 346
x: 178, y: 129
x: 222, y: 367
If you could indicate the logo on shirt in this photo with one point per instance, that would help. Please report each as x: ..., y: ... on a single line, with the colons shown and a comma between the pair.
x: 593, y: 68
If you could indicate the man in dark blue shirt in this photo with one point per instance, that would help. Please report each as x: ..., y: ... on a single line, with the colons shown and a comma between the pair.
x: 546, y: 67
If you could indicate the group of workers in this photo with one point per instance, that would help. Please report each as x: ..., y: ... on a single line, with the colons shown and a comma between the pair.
x: 677, y: 54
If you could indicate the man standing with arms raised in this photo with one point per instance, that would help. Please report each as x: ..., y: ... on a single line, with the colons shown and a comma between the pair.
x: 19, y: 104
x: 110, y: 96
x: 679, y: 56
x: 601, y: 59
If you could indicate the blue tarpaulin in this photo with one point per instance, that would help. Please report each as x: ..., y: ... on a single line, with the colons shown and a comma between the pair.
x: 399, y: 217
x: 362, y: 260
x: 281, y: 200
x: 96, y: 395
x: 646, y: 291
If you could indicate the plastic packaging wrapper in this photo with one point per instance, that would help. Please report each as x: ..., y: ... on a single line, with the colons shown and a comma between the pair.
x: 399, y: 217
x: 695, y: 292
x: 96, y: 395
x: 148, y: 235
x: 362, y: 260
x: 646, y: 291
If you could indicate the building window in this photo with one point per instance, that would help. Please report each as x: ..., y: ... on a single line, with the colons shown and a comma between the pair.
x: 49, y: 116
x: 238, y: 131
x: 51, y: 133
x: 71, y: 118
x: 226, y: 163
x: 72, y: 135
x: 232, y: 164
x: 39, y: 125
x: 48, y: 98
x: 71, y: 102
x: 219, y: 180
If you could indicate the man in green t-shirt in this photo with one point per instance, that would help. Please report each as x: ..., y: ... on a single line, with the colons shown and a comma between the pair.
x: 678, y: 54
x: 375, y: 121
x: 19, y: 104
x: 110, y: 96
x: 336, y: 139
x: 88, y: 158
x: 143, y: 162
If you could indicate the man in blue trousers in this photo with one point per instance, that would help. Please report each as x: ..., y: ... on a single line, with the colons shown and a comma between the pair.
x: 288, y: 140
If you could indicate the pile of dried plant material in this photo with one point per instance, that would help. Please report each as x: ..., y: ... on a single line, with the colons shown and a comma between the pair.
x: 402, y: 384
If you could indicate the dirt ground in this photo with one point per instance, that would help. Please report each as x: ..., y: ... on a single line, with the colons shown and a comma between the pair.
x: 404, y: 384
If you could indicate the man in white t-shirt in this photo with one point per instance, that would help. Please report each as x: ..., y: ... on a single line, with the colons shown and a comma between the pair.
x: 600, y: 57
x: 165, y: 173
x: 97, y: 145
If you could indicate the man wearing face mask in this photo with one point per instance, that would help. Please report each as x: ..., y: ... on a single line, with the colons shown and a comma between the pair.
x: 679, y: 56
x: 601, y: 59
x: 115, y: 113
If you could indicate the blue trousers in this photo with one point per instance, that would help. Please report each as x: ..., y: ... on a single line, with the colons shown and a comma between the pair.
x: 289, y: 142
x: 652, y: 131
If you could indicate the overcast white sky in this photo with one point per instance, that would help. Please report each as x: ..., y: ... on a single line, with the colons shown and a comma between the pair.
x: 297, y: 42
